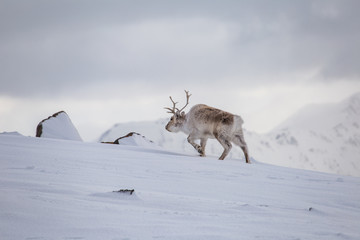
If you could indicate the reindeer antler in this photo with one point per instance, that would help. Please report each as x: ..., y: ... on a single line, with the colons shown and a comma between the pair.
x: 172, y: 110
x: 187, y: 100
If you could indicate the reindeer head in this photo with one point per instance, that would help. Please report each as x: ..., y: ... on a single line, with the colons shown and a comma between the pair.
x: 178, y: 119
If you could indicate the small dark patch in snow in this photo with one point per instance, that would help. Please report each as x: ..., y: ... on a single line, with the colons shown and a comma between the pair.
x: 129, y: 191
x: 122, y: 194
x: 109, y: 142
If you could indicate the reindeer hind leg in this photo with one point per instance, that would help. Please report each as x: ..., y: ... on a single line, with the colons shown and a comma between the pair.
x: 226, y: 145
x: 240, y: 141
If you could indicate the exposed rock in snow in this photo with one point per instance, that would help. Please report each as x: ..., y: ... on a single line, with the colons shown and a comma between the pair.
x: 58, y: 126
x: 133, y: 139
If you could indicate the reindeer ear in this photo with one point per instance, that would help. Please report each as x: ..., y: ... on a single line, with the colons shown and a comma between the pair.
x: 182, y: 113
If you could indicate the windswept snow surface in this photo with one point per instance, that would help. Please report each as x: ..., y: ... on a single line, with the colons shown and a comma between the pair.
x: 58, y: 189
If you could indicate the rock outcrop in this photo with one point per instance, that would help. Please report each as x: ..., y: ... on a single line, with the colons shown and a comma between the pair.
x: 133, y: 139
x: 58, y: 126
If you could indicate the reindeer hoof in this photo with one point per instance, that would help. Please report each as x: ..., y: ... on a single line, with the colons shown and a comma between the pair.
x: 200, y: 151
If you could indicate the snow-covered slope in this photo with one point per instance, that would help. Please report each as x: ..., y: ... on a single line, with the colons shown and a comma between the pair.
x: 57, y: 189
x: 58, y: 126
x: 319, y: 137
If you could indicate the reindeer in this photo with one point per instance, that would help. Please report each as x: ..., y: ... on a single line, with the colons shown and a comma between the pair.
x: 204, y: 122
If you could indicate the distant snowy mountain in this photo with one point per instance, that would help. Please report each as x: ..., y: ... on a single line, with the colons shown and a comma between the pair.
x: 58, y: 126
x: 322, y: 137
x: 11, y: 134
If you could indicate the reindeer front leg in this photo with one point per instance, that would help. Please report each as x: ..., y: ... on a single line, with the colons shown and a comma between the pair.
x: 203, y: 145
x: 191, y: 139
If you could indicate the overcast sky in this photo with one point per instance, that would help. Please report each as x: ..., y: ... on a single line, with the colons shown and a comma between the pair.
x: 105, y: 62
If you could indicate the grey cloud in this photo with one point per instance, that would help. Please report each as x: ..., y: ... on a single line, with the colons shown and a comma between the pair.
x: 48, y: 46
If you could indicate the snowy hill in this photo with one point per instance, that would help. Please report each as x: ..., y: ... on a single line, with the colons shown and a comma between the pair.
x: 58, y: 189
x: 319, y: 137
x: 58, y: 126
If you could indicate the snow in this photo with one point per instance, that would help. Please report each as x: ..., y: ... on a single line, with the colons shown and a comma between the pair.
x: 323, y: 137
x: 59, y: 126
x: 58, y: 189
x: 135, y: 139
